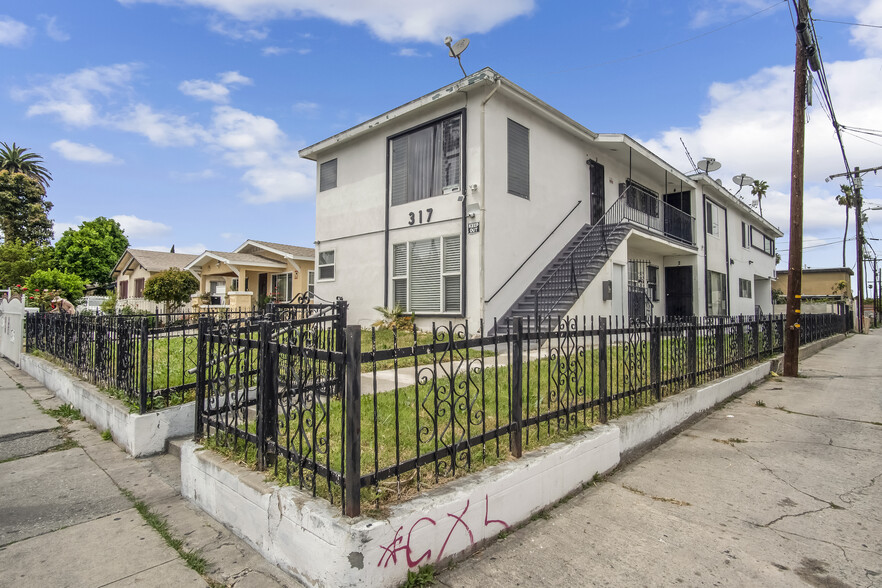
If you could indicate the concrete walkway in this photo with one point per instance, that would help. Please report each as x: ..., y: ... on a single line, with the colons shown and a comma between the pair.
x: 67, y: 515
x: 780, y: 487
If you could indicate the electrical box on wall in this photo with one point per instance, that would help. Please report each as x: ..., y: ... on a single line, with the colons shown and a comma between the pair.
x: 607, y: 290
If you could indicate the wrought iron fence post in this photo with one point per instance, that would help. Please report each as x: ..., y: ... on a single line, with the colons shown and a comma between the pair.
x: 742, y: 356
x: 602, y: 383
x: 200, y: 377
x: 340, y: 341
x: 655, y: 357
x: 142, y: 381
x: 352, y: 411
x: 754, y: 333
x: 516, y: 434
x: 692, y: 351
x: 770, y: 335
x: 720, y: 345
x: 267, y: 390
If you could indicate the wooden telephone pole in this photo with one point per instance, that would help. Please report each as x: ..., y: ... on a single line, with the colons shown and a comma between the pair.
x: 794, y: 263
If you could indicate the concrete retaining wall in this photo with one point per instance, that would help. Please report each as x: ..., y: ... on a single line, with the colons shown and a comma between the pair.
x: 138, y: 434
x: 314, y: 542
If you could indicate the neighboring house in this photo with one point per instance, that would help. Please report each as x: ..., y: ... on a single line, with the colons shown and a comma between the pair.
x: 480, y: 201
x: 253, y: 274
x: 135, y: 267
x: 821, y: 283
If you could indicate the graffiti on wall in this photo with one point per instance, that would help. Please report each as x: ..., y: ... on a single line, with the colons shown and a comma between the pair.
x: 453, y: 523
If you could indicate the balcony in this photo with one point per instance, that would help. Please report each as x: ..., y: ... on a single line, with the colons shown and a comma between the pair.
x: 644, y: 209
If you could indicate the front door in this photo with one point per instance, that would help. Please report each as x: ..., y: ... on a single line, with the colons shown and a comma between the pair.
x: 596, y: 201
x: 678, y: 291
x: 261, y: 289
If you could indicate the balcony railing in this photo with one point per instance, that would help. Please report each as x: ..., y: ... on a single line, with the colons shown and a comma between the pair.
x: 644, y: 208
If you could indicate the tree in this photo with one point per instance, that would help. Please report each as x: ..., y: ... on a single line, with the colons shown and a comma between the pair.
x: 68, y: 286
x: 758, y: 188
x: 16, y: 159
x: 18, y: 261
x: 24, y: 211
x: 173, y: 287
x: 91, y: 250
x: 845, y: 199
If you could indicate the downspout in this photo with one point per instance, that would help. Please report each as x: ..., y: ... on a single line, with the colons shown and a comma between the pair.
x: 483, y: 191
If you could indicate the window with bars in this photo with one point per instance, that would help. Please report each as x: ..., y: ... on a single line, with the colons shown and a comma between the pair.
x: 328, y: 175
x: 640, y: 198
x: 426, y: 161
x: 518, y: 160
x: 326, y: 265
x: 427, y: 275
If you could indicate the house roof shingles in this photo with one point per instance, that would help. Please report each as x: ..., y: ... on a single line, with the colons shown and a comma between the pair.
x: 293, y: 250
x: 157, y: 261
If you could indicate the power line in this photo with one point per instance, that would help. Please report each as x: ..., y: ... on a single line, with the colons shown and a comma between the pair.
x: 853, y: 24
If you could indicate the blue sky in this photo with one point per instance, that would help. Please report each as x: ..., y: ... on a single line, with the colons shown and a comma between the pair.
x: 182, y: 118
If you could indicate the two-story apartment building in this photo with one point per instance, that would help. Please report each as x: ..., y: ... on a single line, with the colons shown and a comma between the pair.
x: 480, y: 201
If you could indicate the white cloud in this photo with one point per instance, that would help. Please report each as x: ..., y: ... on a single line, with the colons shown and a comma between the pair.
x: 309, y: 108
x: 232, y: 236
x: 273, y: 51
x: 12, y: 32
x: 72, y: 97
x: 195, y: 176
x: 388, y: 20
x: 712, y: 12
x: 53, y: 30
x: 411, y: 52
x: 205, y: 90
x: 304, y: 51
x: 870, y: 39
x: 139, y: 228
x: 214, y: 91
x: 234, y: 30
x: 84, y: 153
x: 102, y: 96
x: 58, y: 228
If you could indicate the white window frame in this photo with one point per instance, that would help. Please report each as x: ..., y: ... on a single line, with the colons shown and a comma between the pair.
x: 713, y: 213
x: 401, y: 281
x: 275, y: 279
x: 722, y: 302
x: 745, y: 288
x: 310, y: 281
x: 333, y: 265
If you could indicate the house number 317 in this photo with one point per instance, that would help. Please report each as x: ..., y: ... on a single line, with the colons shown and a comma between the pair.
x: 415, y: 218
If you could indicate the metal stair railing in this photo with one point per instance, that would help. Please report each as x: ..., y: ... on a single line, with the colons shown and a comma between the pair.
x: 563, y: 280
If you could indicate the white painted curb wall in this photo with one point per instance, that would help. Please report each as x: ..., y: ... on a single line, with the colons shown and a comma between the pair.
x: 139, y: 434
x: 310, y: 538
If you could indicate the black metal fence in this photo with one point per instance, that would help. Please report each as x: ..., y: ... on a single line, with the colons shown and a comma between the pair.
x: 375, y: 415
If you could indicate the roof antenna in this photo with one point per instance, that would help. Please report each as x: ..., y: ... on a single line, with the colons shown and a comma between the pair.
x: 456, y: 50
x: 689, y: 155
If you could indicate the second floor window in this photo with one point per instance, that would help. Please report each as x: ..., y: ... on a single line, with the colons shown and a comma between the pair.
x: 426, y: 162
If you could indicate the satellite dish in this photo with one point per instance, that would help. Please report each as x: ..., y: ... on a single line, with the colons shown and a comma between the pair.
x: 742, y: 180
x: 459, y: 47
x: 709, y: 164
x: 456, y: 50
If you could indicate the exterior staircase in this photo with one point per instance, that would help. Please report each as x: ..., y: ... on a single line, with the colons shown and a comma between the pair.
x: 563, y: 281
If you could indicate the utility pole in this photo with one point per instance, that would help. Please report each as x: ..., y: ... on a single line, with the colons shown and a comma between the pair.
x: 794, y: 263
x: 859, y: 231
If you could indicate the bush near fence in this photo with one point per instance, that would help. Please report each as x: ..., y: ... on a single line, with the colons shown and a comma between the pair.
x: 291, y: 396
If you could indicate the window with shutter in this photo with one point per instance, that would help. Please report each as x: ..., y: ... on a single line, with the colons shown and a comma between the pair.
x: 328, y: 175
x: 139, y: 287
x: 123, y: 290
x: 426, y: 161
x: 518, y: 159
x: 427, y: 275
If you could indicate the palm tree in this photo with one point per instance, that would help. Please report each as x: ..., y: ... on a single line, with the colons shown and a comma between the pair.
x: 758, y: 188
x: 845, y: 199
x: 16, y: 159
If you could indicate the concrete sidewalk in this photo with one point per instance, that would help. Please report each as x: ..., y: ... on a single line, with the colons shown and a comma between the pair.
x: 780, y: 487
x: 67, y: 515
